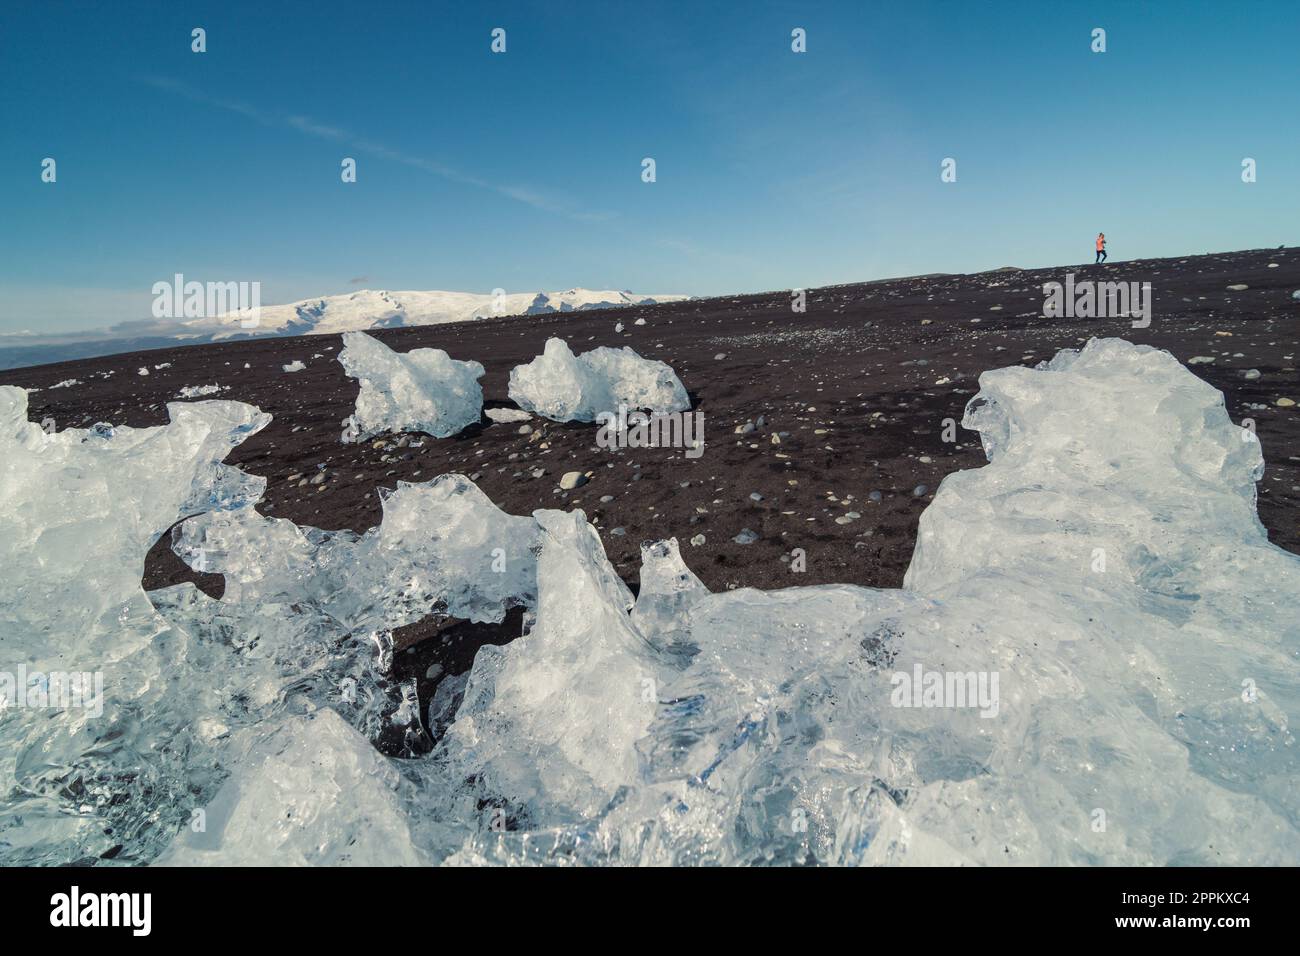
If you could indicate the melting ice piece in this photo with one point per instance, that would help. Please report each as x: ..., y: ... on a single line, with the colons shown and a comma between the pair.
x: 1094, y: 662
x: 577, y: 691
x: 563, y: 388
x: 421, y: 390
x: 1114, y: 456
x: 79, y: 510
x: 504, y: 415
x: 1082, y: 669
x: 668, y: 590
x: 198, y: 391
x: 314, y: 792
x: 441, y: 546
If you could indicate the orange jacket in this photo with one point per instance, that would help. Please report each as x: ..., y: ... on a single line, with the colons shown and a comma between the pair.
x: 1101, y: 243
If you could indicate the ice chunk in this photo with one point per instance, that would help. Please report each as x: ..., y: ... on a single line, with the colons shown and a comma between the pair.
x: 79, y: 509
x: 1094, y: 662
x: 668, y: 591
x: 561, y: 387
x: 442, y: 547
x: 312, y: 793
x: 297, y: 365
x: 1076, y: 477
x: 504, y: 415
x: 421, y: 390
x: 194, y: 685
x: 578, y: 690
x: 198, y: 391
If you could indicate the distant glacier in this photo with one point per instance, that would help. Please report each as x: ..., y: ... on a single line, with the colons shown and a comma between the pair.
x: 362, y: 310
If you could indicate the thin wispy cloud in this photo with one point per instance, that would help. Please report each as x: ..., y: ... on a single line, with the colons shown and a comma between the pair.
x: 304, y: 125
x: 527, y: 195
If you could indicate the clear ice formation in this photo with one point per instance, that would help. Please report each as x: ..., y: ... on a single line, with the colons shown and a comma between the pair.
x: 422, y: 390
x: 313, y: 792
x: 558, y: 386
x: 442, y: 547
x: 79, y: 510
x: 1113, y: 635
x: 198, y: 391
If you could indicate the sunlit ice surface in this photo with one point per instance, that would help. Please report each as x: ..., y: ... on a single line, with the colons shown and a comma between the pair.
x: 1092, y: 661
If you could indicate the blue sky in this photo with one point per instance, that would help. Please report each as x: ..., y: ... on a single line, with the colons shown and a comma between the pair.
x: 523, y: 170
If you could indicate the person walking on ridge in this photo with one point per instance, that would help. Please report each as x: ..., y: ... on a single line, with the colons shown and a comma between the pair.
x: 1101, y: 247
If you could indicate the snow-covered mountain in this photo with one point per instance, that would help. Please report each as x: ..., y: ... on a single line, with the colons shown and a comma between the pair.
x: 379, y: 309
x: 349, y: 312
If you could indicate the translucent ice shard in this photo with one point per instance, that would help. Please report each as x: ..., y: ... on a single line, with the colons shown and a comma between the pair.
x: 442, y: 547
x: 199, y: 391
x: 421, y: 390
x: 313, y: 792
x: 1093, y: 662
x: 80, y: 508
x: 562, y: 387
x: 316, y: 609
x: 1115, y: 455
x: 83, y: 773
x: 577, y: 691
x: 668, y: 591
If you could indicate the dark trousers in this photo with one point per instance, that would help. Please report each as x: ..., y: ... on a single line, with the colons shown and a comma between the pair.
x: 1101, y: 256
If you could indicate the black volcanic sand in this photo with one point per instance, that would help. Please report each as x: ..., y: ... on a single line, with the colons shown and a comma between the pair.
x: 857, y: 388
